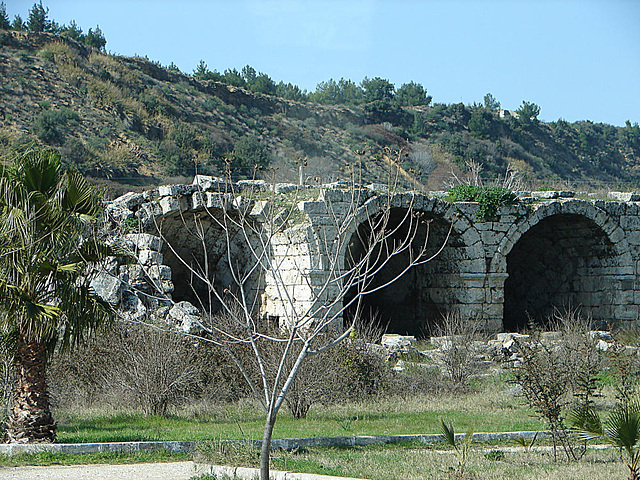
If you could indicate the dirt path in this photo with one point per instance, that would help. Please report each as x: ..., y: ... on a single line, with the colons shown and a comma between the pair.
x: 138, y: 471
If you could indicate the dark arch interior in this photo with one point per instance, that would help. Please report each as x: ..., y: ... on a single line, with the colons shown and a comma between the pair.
x: 411, y: 304
x: 559, y: 263
x: 207, y: 256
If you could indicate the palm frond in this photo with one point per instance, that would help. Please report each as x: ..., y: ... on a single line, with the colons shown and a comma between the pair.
x: 587, y: 423
x: 448, y: 432
x: 623, y: 425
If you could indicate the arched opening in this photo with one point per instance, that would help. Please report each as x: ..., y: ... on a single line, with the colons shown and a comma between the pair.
x: 562, y: 262
x: 196, y: 245
x: 414, y: 302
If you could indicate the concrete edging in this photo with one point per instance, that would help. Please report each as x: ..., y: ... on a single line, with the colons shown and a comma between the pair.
x: 283, y: 443
x: 244, y: 473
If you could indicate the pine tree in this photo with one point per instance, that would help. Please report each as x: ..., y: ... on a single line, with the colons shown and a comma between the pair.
x: 38, y: 21
x: 5, y: 24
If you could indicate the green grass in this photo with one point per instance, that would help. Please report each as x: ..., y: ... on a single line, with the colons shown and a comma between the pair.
x: 490, y: 410
x: 417, y: 462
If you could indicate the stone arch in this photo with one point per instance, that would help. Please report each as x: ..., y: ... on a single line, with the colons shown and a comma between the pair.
x: 183, y: 250
x: 567, y: 254
x: 412, y: 304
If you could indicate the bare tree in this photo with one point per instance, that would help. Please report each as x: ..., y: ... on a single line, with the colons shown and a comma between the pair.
x: 287, y: 282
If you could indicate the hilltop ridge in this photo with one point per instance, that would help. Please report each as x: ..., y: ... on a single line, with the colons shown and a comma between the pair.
x: 128, y: 121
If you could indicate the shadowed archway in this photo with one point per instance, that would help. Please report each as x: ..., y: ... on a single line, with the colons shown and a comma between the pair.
x: 563, y: 261
x: 411, y: 304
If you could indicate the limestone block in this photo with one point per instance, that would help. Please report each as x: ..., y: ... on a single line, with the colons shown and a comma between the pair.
x: 397, y: 342
x: 171, y: 190
x: 208, y: 182
x: 470, y: 237
x: 133, y: 276
x: 497, y: 295
x: 159, y: 272
x: 478, y: 280
x: 600, y: 335
x: 505, y: 337
x: 186, y: 316
x: 490, y: 237
x: 492, y: 311
x: 545, y: 194
x: 144, y: 241
x: 629, y: 222
x: 148, y: 211
x: 602, y: 345
x: 633, y: 208
x: 118, y: 212
x: 468, y: 209
x: 501, y: 226
x: 624, y: 297
x: 615, y: 208
x: 625, y: 312
x: 471, y: 295
x: 132, y: 306
x: 625, y: 196
x: 149, y: 257
x: 617, y: 235
x: 169, y: 205
x: 197, y: 201
x: 166, y: 286
x: 285, y: 187
x: 108, y: 287
x: 261, y: 210
x: 403, y: 200
x: 131, y: 200
x: 253, y: 186
x: 150, y: 195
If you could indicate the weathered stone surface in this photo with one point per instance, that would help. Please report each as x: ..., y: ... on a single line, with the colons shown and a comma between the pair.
x: 107, y: 287
x: 186, y: 316
x: 625, y: 196
x: 144, y: 241
x: 397, y: 342
x: 593, y: 263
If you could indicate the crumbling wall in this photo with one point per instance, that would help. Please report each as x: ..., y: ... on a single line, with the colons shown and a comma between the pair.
x: 532, y: 257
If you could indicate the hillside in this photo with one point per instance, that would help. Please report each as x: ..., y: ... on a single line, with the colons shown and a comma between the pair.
x: 128, y: 121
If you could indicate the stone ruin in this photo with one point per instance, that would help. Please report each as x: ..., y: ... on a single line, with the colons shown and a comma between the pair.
x: 550, y: 250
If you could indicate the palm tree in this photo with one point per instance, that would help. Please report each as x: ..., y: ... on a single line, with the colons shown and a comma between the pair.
x: 46, y: 245
x: 621, y: 430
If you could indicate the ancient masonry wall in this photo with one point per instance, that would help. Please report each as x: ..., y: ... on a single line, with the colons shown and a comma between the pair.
x: 550, y: 251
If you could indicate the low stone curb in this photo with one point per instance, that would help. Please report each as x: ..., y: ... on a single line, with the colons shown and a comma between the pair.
x: 244, y: 473
x: 283, y: 443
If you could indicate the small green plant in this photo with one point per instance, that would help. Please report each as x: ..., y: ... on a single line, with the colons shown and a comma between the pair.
x: 489, y: 198
x: 346, y: 423
x: 621, y: 430
x: 495, y: 455
x: 461, y: 448
x: 130, y: 224
x: 526, y: 444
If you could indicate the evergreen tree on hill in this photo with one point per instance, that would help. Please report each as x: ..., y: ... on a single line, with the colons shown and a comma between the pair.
x: 5, y: 24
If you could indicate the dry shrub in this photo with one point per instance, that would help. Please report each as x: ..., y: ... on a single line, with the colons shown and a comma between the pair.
x: 461, y: 350
x: 143, y: 368
x: 550, y: 370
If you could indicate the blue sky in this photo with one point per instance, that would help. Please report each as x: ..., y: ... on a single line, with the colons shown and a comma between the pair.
x: 576, y: 59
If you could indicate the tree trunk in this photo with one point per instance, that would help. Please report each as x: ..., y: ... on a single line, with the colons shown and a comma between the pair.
x: 30, y: 420
x: 265, y: 449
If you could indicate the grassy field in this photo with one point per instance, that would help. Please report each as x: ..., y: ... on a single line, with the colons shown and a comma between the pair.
x: 418, y: 462
x: 490, y: 409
